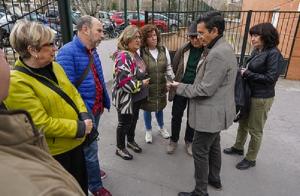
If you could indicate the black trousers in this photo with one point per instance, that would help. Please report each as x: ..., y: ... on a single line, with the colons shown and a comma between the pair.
x: 126, y: 125
x: 178, y: 107
x: 73, y: 161
x: 207, y: 159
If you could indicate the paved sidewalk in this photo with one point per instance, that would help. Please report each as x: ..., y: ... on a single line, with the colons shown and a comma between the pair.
x: 154, y: 173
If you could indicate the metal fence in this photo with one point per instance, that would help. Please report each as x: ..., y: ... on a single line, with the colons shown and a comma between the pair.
x: 237, y: 28
x: 45, y: 11
x: 172, y: 24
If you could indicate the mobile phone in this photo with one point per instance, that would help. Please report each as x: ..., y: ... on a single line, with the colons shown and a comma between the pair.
x: 169, y: 79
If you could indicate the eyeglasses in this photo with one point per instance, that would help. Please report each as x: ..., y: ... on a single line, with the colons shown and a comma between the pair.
x: 137, y: 37
x: 51, y: 44
x: 193, y: 36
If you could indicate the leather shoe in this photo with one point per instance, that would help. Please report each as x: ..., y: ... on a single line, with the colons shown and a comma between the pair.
x: 216, y: 184
x: 245, y: 164
x: 189, y: 194
x: 134, y: 146
x: 233, y: 150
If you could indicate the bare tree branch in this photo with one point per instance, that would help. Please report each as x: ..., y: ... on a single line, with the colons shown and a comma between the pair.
x: 88, y: 7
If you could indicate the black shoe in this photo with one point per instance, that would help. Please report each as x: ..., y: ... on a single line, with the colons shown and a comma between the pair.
x: 245, y: 164
x: 233, y: 150
x: 134, y: 146
x: 124, y: 154
x: 216, y: 184
x: 189, y: 194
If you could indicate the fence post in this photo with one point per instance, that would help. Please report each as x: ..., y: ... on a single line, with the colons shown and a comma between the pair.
x: 125, y: 13
x: 66, y: 20
x: 138, y: 12
x: 146, y: 17
x: 247, y: 27
x: 152, y: 17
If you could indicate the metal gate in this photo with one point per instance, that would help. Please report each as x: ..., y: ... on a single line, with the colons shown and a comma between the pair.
x: 44, y: 11
x: 237, y: 28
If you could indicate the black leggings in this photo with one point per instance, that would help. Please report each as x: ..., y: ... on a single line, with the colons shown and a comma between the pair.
x: 126, y: 125
x: 73, y: 161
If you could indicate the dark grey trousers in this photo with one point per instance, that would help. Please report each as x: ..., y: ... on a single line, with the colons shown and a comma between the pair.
x: 207, y: 159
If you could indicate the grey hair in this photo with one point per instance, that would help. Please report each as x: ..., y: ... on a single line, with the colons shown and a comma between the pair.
x: 85, y: 20
x: 126, y: 36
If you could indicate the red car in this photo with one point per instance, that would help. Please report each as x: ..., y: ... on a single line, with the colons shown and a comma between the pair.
x: 118, y: 17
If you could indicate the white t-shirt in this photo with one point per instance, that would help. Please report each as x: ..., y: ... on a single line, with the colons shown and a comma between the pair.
x: 154, y: 53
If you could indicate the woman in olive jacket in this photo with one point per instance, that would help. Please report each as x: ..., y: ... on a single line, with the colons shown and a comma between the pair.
x: 158, y: 68
x: 261, y: 72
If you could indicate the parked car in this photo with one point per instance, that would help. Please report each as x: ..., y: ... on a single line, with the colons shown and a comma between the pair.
x: 35, y: 17
x: 6, y: 24
x: 4, y: 19
x: 75, y: 16
x: 52, y: 16
x: 173, y: 23
x: 132, y: 17
x: 183, y: 18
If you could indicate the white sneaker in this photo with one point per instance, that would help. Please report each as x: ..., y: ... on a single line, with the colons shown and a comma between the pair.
x: 164, y: 133
x: 148, y: 137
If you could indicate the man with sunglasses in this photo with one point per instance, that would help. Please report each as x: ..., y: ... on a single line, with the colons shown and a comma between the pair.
x: 185, y: 63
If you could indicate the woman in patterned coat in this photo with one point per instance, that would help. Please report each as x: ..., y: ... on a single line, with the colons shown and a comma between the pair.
x: 129, y: 89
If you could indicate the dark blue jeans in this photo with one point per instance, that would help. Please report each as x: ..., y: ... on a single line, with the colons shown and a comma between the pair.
x: 92, y: 161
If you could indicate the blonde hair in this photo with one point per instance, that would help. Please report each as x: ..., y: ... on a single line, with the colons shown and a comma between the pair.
x: 26, y: 33
x: 126, y: 36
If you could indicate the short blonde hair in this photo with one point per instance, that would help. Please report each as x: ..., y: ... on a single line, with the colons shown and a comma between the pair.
x: 26, y: 33
x: 126, y: 36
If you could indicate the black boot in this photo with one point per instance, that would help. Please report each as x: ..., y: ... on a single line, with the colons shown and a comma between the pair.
x: 233, y: 150
x: 189, y: 194
x: 245, y: 164
x: 216, y: 184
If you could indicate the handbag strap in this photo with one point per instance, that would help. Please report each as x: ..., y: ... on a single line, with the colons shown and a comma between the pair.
x: 49, y: 84
x: 85, y: 72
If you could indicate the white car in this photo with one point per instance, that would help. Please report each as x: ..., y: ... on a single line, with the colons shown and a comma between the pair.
x: 4, y: 19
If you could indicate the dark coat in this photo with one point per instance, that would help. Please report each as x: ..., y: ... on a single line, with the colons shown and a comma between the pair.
x: 263, y: 71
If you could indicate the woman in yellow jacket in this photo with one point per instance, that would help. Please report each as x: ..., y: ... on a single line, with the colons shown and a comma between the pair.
x: 63, y: 128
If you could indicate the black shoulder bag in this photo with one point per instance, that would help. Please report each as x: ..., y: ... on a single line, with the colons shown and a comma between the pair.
x: 94, y: 133
x: 85, y: 72
x: 242, y: 97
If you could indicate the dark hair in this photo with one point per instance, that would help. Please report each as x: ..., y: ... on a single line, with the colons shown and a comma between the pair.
x: 213, y: 19
x: 145, y: 30
x: 268, y: 34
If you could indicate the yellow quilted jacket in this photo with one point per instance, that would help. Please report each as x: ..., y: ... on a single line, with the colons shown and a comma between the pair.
x: 50, y: 113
